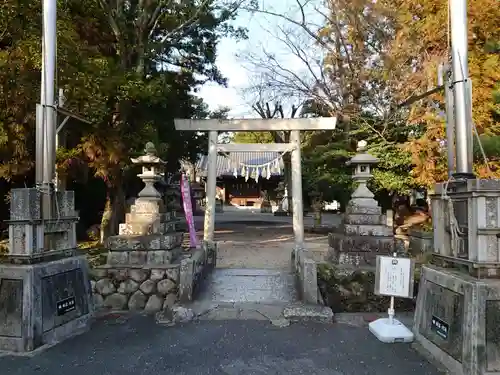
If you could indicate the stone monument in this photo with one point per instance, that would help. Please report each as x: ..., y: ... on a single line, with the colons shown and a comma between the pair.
x: 45, y: 293
x: 458, y: 306
x: 364, y: 233
x: 198, y: 196
x: 142, y: 265
x: 173, y: 196
x: 44, y: 286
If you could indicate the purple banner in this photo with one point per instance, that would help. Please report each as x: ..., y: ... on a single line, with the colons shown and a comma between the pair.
x: 188, y: 210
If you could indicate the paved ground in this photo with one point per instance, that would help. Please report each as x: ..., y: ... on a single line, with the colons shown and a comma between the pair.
x: 138, y: 346
x: 261, y: 244
x: 240, y: 329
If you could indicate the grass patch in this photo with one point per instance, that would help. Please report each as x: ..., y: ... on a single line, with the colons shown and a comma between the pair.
x: 4, y: 247
x: 96, y: 252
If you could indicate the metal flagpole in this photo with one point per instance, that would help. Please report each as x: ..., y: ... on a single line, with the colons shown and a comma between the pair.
x: 460, y: 68
x: 46, y: 128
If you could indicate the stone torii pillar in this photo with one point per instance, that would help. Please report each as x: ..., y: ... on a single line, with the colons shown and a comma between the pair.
x: 213, y: 126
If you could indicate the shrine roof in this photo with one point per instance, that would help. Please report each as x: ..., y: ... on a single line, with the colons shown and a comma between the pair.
x: 226, y: 163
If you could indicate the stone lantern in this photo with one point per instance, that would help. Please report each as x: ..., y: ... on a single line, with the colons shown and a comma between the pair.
x: 280, y: 194
x: 146, y: 212
x: 363, y: 234
x: 362, y: 163
x: 151, y: 173
x: 316, y: 205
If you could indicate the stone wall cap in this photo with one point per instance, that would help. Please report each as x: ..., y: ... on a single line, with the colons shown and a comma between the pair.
x: 146, y: 266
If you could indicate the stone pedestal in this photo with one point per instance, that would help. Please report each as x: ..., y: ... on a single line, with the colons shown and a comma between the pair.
x: 45, y: 293
x: 173, y: 197
x: 142, y: 265
x: 173, y: 202
x: 364, y: 233
x: 456, y: 320
x: 361, y: 237
x: 198, y: 196
x: 458, y: 306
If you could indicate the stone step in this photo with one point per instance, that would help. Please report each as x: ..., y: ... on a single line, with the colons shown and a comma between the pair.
x: 145, y: 207
x: 147, y: 228
x: 280, y: 315
x: 365, y: 219
x: 139, y: 229
x: 169, y: 227
x: 145, y: 216
x: 358, y: 243
x: 368, y: 230
x: 161, y: 241
x: 307, y: 312
x: 353, y: 209
x: 186, y: 242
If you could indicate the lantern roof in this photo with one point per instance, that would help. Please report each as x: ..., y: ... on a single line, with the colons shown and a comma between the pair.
x: 362, y: 157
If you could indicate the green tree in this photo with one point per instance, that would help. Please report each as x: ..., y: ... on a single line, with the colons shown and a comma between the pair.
x: 129, y: 67
x: 377, y: 59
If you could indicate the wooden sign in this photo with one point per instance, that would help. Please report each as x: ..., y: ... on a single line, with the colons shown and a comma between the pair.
x: 394, y: 277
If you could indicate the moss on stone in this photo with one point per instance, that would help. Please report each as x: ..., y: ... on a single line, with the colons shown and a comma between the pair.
x: 96, y: 253
x: 4, y: 247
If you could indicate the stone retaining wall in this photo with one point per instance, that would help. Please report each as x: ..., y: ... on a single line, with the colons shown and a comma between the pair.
x: 194, y: 269
x: 148, y: 289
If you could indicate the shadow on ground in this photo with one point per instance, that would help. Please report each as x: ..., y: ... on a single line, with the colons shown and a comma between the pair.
x: 136, y: 345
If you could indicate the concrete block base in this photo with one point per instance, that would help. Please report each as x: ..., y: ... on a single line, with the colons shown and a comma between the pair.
x: 306, y: 274
x: 456, y: 320
x: 44, y: 303
x: 195, y: 268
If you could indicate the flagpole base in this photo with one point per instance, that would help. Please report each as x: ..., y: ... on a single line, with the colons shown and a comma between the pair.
x: 390, y: 332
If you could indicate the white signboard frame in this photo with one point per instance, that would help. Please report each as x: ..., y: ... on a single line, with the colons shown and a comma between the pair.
x: 394, y: 276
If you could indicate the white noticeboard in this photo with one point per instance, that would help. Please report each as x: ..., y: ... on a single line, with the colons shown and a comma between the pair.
x: 394, y: 277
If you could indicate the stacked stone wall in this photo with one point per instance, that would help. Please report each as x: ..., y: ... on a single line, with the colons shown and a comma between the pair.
x: 148, y: 289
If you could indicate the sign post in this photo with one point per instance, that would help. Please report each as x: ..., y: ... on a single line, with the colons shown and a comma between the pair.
x: 394, y: 278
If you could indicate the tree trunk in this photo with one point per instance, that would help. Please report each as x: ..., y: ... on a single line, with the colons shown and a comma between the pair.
x: 106, y: 220
x: 114, y: 211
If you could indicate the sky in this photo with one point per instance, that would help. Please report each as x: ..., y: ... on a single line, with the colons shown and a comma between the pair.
x: 260, y: 30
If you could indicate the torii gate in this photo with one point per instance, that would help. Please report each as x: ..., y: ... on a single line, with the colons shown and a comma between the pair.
x: 214, y: 126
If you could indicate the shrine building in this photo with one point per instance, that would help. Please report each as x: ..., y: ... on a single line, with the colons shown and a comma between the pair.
x: 244, y: 178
